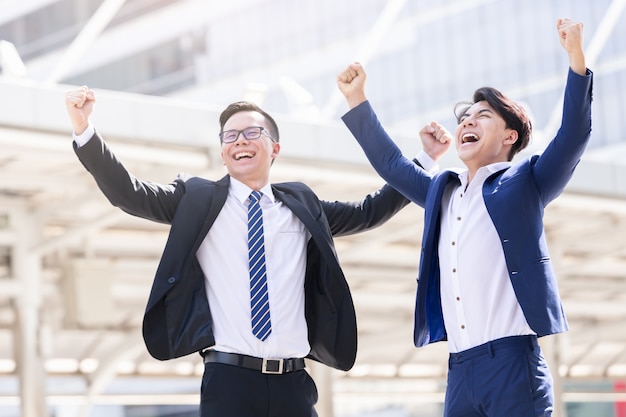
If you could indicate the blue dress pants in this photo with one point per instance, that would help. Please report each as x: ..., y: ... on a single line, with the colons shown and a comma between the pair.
x: 505, y: 377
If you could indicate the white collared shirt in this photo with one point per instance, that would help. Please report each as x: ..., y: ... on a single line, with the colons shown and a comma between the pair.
x: 223, y: 257
x: 477, y: 296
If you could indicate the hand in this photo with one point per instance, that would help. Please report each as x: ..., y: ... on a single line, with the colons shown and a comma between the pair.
x: 351, y: 83
x: 436, y: 140
x: 571, y: 38
x: 80, y: 103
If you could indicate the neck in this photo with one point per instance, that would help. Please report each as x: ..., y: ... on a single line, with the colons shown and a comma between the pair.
x: 471, y: 173
x: 254, y: 184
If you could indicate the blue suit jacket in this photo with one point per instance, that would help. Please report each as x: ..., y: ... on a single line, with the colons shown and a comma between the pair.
x: 177, y: 320
x: 515, y: 199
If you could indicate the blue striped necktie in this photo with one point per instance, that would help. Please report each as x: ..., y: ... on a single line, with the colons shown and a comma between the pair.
x: 259, y: 300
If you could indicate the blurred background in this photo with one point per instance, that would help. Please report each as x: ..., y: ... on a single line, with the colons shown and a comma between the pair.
x: 75, y: 273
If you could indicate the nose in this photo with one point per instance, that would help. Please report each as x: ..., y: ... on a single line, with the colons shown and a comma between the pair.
x: 468, y: 121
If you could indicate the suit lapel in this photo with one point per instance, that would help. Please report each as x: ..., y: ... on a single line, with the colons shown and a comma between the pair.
x: 429, y: 326
x: 214, y: 200
x: 433, y: 205
x: 297, y: 207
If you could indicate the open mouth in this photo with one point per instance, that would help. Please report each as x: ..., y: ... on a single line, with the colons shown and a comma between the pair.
x: 469, y: 138
x: 241, y: 155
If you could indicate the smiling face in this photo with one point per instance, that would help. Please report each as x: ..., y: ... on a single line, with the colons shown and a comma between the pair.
x: 247, y: 160
x: 482, y: 137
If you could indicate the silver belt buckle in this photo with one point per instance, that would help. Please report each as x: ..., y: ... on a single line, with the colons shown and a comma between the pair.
x: 273, y: 364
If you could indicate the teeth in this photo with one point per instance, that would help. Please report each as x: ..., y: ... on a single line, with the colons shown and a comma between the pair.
x: 240, y: 155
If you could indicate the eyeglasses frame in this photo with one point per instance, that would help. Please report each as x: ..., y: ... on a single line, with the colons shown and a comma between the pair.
x: 241, y: 132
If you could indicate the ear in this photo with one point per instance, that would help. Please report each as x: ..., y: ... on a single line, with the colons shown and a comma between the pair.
x: 511, y: 138
x: 275, y: 150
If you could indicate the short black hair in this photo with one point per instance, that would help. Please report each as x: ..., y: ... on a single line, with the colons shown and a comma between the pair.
x: 241, y: 106
x: 514, y: 115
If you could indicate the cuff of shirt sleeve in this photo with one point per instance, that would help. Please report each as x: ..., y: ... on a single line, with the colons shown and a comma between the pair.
x: 84, y: 137
x: 427, y: 162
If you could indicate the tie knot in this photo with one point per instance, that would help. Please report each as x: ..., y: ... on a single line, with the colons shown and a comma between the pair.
x: 255, y: 196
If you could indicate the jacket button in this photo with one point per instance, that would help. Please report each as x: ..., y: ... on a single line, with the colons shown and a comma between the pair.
x: 171, y: 280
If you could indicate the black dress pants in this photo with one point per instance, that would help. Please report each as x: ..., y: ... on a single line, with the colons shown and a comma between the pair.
x: 231, y: 391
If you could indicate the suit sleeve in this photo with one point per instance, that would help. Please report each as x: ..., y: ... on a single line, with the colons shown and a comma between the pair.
x: 347, y: 218
x: 385, y: 156
x: 140, y: 198
x: 555, y: 166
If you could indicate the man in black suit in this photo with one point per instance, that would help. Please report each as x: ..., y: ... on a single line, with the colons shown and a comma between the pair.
x: 201, y: 295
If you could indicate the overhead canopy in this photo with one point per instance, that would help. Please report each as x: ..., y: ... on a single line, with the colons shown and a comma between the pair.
x: 75, y: 272
x: 93, y: 264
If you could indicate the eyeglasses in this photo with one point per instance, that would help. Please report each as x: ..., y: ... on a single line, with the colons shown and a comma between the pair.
x: 250, y: 133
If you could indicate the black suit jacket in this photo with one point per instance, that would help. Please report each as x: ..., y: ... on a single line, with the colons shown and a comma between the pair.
x: 177, y: 319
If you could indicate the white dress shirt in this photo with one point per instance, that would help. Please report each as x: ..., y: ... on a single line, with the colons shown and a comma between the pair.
x: 478, y: 301
x: 223, y: 257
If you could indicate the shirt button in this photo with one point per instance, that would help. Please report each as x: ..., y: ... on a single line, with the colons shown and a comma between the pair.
x: 458, y: 218
x: 458, y: 298
x: 453, y: 243
x: 462, y: 326
x: 453, y: 269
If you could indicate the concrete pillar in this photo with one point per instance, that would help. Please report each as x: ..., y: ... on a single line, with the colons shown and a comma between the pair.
x: 550, y: 346
x: 553, y: 346
x: 26, y: 268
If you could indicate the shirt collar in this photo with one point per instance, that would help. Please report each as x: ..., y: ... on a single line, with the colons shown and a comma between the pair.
x: 242, y: 192
x: 483, y: 172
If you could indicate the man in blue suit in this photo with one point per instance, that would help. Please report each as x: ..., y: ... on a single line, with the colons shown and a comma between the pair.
x: 486, y: 282
x: 201, y: 297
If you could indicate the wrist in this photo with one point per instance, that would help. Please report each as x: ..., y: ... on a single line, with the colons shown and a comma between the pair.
x: 84, y: 137
x: 577, y: 62
x: 355, y: 99
x: 80, y: 129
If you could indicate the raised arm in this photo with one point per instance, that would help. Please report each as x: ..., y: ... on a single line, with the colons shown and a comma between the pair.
x: 554, y: 168
x: 435, y: 138
x: 140, y: 198
x: 571, y: 37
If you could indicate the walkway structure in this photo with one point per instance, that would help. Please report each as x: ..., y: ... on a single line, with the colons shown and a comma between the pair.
x: 75, y: 272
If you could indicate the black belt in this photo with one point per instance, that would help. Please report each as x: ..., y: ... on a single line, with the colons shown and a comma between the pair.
x: 266, y: 366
